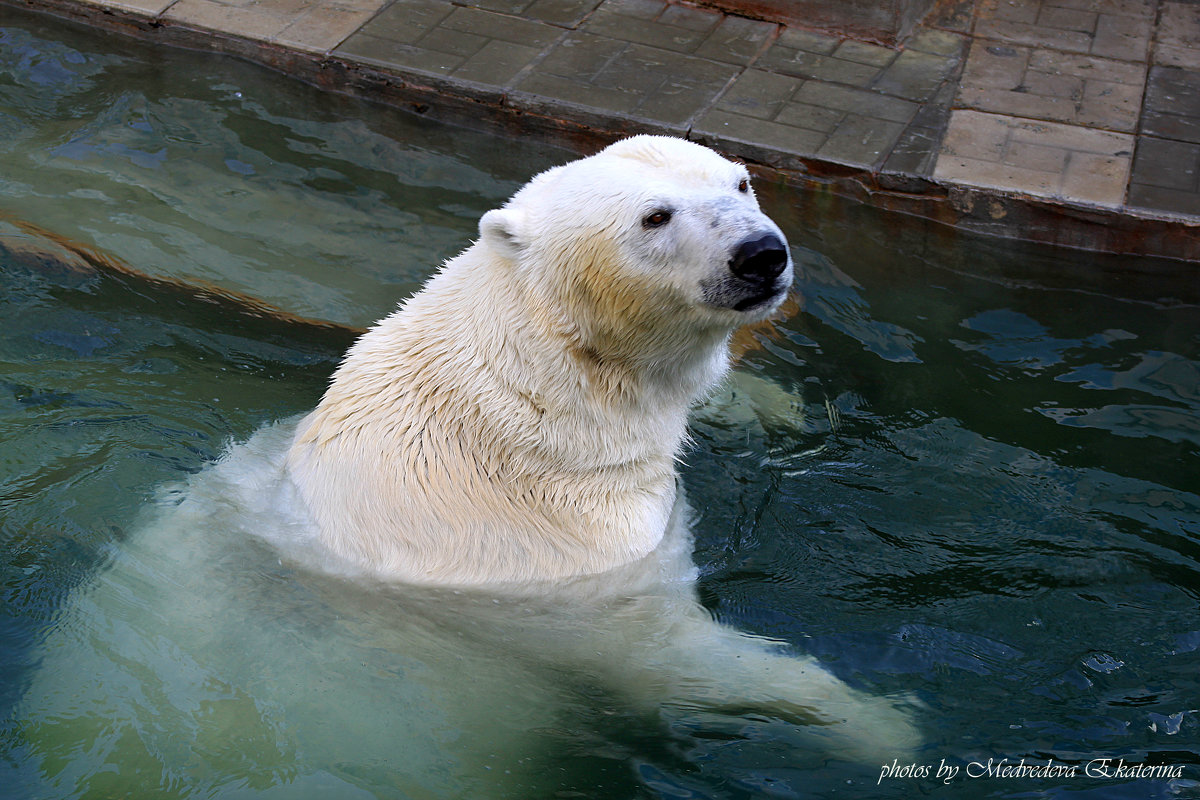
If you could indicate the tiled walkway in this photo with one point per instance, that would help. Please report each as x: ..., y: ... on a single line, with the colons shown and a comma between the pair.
x: 1089, y: 104
x: 1069, y: 98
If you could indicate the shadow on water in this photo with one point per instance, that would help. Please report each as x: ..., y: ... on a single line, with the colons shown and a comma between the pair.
x: 990, y: 498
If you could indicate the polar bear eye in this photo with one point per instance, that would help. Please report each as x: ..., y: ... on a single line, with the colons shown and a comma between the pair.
x: 743, y: 186
x: 657, y: 219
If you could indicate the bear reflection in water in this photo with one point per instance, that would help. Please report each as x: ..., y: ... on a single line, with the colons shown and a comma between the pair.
x: 473, y: 539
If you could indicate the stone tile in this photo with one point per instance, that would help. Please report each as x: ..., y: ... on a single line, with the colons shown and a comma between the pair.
x: 1112, y: 29
x: 1173, y: 90
x: 995, y: 175
x: 1169, y: 55
x: 1067, y: 19
x: 758, y: 94
x: 1040, y: 158
x: 811, y: 118
x: 1041, y: 83
x: 681, y: 29
x: 1120, y: 7
x: 454, y: 43
x: 935, y: 113
x: 861, y: 141
x: 679, y: 99
x: 1172, y: 107
x: 323, y: 27
x: 855, y: 101
x: 736, y: 40
x: 637, y: 9
x: 1125, y: 36
x: 808, y: 41
x: 1017, y: 104
x: 1171, y: 201
x: 1178, y: 43
x: 1011, y: 10
x: 1052, y: 84
x: 258, y: 5
x: 1122, y: 38
x: 690, y: 18
x: 865, y: 53
x: 1171, y: 126
x: 1035, y: 156
x: 253, y: 21
x: 602, y: 98
x: 914, y: 75
x: 815, y: 66
x: 1033, y: 35
x: 1072, y: 137
x: 670, y: 34
x: 955, y: 16
x: 406, y: 21
x: 721, y: 126
x: 513, y: 7
x: 1087, y: 67
x: 388, y: 53
x: 937, y: 42
x: 497, y: 63
x: 1095, y: 179
x: 148, y: 8
x: 567, y: 13
x: 632, y: 70
x: 1115, y: 106
x: 992, y: 65
x: 490, y: 25
x: 1167, y: 164
x: 462, y: 42
x: 981, y: 136
x: 914, y: 153
x: 613, y: 75
x: 821, y: 115
x: 581, y: 56
x: 1166, y: 177
x: 373, y: 6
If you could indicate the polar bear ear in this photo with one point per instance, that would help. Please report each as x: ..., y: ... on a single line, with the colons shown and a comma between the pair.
x: 501, y: 228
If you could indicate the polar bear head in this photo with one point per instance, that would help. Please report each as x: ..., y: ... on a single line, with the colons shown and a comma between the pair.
x: 644, y: 246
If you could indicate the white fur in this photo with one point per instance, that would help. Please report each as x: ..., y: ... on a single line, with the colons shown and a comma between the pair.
x: 519, y: 418
x: 516, y: 422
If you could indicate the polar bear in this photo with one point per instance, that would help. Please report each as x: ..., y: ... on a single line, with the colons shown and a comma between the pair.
x: 473, y: 542
x: 519, y: 419
x: 516, y: 424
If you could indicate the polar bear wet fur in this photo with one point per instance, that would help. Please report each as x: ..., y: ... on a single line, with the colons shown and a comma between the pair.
x: 501, y: 451
x: 519, y: 419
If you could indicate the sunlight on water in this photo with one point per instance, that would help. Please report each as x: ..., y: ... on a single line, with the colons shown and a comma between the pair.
x: 986, y: 495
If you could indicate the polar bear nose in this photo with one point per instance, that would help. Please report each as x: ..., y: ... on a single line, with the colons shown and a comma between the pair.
x: 759, y: 260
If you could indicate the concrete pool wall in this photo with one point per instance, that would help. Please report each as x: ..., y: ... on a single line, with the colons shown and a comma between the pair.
x: 1060, y: 121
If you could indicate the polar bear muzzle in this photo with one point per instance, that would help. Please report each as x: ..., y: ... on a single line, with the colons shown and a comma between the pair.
x: 755, y: 274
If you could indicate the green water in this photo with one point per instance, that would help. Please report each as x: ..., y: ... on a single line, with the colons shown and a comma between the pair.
x: 991, y: 501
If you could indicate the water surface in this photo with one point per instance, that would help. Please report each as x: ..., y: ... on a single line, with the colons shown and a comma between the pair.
x: 990, y: 500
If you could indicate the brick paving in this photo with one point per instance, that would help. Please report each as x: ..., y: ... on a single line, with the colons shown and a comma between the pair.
x: 1093, y: 104
x: 1049, y: 159
x: 309, y: 25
